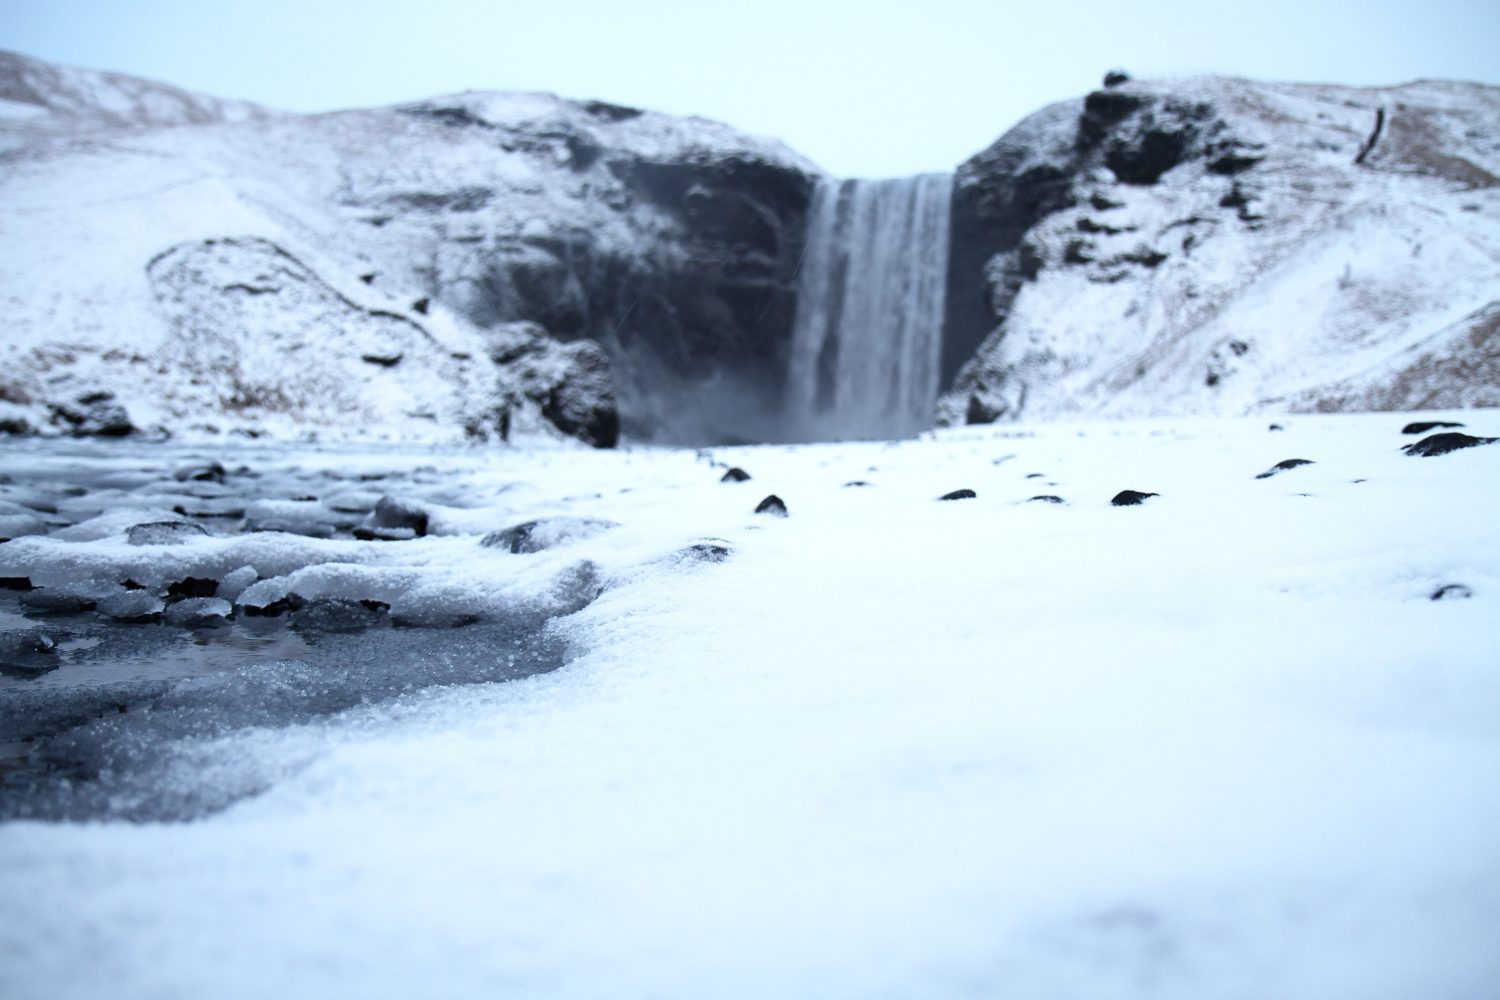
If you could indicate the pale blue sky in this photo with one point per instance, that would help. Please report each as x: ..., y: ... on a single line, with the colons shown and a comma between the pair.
x: 865, y: 89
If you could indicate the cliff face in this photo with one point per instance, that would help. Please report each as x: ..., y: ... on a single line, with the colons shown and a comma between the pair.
x: 437, y: 226
x: 1220, y: 246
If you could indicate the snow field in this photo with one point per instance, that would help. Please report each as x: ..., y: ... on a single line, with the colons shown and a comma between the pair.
x: 1218, y: 745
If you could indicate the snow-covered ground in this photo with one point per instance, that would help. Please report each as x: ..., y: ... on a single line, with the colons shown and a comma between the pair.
x: 1220, y: 744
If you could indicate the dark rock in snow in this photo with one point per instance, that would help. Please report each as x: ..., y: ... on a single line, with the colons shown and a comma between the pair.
x: 94, y: 414
x: 772, y: 505
x: 1452, y: 592
x: 14, y: 645
x: 959, y: 495
x: 1115, y: 77
x: 339, y: 615
x: 1442, y: 444
x: 390, y: 360
x: 22, y: 583
x: 211, y: 472
x: 192, y: 586
x: 1423, y: 426
x: 545, y: 533
x: 735, y: 475
x: 856, y: 483
x: 710, y: 550
x: 391, y: 512
x: 280, y: 606
x: 1130, y: 498
x: 1290, y: 463
x: 164, y: 532
x: 1276, y: 427
x: 1045, y: 498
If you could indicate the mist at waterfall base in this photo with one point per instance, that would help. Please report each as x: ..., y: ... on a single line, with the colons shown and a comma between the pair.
x: 867, y: 340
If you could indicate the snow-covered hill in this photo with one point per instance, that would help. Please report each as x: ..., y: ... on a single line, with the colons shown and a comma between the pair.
x: 484, y: 263
x: 442, y: 223
x: 1216, y: 245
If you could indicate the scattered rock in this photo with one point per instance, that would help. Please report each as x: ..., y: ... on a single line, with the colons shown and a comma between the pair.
x: 389, y: 360
x: 421, y: 305
x: 735, y: 475
x: 545, y: 533
x: 1115, y: 77
x: 15, y: 583
x: 393, y: 513
x: 211, y: 472
x: 1290, y: 463
x: 1442, y: 444
x: 1130, y: 498
x: 192, y: 586
x: 196, y: 612
x: 280, y: 606
x: 712, y: 550
x: 1045, y: 498
x: 1276, y: 427
x: 1452, y: 591
x: 367, y: 534
x: 94, y: 414
x: 164, y: 532
x: 339, y: 615
x: 959, y: 495
x: 27, y: 643
x: 1423, y: 426
x: 772, y: 504
x: 856, y: 484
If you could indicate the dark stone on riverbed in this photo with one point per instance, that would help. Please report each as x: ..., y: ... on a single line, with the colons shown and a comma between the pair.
x: 1423, y: 426
x: 1442, y: 444
x: 192, y: 586
x: 164, y: 532
x: 1131, y: 498
x: 393, y: 513
x: 735, y: 475
x: 545, y: 533
x: 773, y: 505
x: 27, y: 654
x: 210, y: 472
x: 1290, y: 463
x: 959, y: 495
x: 1046, y: 498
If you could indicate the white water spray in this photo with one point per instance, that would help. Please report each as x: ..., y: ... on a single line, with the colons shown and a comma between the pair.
x: 867, y: 339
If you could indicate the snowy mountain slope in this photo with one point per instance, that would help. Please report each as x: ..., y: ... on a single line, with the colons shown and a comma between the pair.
x: 667, y: 240
x: 1221, y: 246
x: 49, y: 98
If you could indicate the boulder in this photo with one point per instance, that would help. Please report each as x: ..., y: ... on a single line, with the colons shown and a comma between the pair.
x: 1130, y: 498
x: 545, y: 533
x: 1283, y: 466
x: 1442, y: 444
x: 772, y: 505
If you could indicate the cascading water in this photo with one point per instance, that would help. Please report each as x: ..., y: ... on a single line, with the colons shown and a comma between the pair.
x: 867, y: 339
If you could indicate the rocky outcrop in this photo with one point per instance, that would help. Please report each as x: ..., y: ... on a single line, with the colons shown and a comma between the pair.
x: 1220, y: 246
x: 656, y: 254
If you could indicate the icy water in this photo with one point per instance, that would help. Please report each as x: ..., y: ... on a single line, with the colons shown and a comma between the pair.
x: 115, y: 656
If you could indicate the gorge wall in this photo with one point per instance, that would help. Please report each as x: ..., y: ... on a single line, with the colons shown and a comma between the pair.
x: 488, y: 264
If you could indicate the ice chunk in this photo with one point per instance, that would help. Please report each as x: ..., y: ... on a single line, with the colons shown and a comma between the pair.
x: 163, y: 532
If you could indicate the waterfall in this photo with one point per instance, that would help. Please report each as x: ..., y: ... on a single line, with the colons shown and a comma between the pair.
x: 867, y: 339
